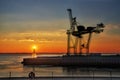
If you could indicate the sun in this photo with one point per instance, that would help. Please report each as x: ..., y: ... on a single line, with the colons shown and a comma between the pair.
x: 34, y: 47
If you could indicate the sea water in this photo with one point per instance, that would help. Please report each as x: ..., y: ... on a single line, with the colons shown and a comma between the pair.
x: 10, y: 65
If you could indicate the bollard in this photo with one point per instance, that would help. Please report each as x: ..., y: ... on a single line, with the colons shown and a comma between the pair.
x: 93, y: 74
x: 110, y: 75
x: 52, y: 75
x: 9, y: 75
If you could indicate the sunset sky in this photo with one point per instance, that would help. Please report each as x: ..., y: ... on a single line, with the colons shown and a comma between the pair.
x: 24, y: 23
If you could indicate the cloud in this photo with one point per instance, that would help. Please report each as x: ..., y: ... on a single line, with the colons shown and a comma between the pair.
x: 26, y: 40
x: 34, y: 31
x: 39, y: 36
x: 113, y: 29
x: 110, y: 36
x: 32, y: 26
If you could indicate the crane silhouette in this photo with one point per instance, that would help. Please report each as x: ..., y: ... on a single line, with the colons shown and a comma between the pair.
x: 78, y: 31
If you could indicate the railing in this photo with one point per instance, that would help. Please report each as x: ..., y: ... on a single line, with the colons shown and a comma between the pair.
x: 55, y: 74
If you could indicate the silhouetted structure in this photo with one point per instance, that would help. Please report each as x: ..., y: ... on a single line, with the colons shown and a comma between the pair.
x: 81, y: 60
x: 78, y: 31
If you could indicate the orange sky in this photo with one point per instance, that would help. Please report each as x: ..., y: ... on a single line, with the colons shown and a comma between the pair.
x: 56, y: 41
x: 24, y: 23
x: 14, y: 46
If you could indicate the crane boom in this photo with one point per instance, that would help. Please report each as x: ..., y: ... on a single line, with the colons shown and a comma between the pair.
x: 70, y: 17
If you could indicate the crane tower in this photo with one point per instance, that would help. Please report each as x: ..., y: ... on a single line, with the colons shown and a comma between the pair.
x: 77, y: 31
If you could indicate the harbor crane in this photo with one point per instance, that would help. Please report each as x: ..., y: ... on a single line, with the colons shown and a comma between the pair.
x: 76, y: 45
x: 78, y: 31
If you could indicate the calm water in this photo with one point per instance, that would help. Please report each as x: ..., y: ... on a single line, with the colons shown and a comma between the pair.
x: 12, y: 63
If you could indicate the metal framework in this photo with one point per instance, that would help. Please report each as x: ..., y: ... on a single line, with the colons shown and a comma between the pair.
x: 77, y: 31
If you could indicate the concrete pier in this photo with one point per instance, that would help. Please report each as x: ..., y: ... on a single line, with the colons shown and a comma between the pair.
x: 105, y: 61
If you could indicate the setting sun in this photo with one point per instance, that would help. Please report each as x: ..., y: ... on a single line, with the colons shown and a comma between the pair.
x: 34, y: 47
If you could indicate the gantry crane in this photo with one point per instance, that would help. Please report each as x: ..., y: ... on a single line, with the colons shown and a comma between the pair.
x: 78, y: 31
